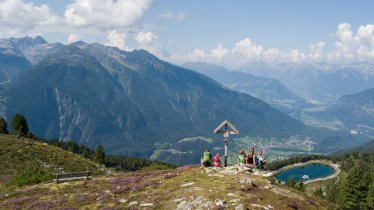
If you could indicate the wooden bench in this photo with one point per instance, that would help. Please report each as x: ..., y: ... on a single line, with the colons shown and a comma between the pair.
x: 72, y: 176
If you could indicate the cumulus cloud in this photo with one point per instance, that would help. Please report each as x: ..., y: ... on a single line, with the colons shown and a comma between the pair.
x: 349, y: 46
x: 148, y: 41
x: 316, y: 51
x: 352, y: 46
x: 17, y: 16
x: 176, y: 16
x: 74, y: 38
x: 116, y: 39
x: 244, y: 51
x: 105, y: 14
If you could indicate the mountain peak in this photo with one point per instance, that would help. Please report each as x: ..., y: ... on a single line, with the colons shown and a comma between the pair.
x: 28, y: 41
x: 143, y: 53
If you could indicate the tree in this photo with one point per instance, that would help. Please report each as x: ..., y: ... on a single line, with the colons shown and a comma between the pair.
x: 19, y: 125
x: 3, y: 126
x: 300, y: 186
x: 99, y: 155
x: 291, y: 182
x: 355, y: 189
x: 370, y: 198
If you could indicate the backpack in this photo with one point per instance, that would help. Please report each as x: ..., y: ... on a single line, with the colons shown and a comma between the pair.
x: 206, y: 156
x: 241, y: 159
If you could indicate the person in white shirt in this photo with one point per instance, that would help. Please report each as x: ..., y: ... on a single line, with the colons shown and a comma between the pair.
x: 261, y: 161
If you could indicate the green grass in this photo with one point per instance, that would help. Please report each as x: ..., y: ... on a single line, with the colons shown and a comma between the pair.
x: 32, y: 175
x: 16, y: 155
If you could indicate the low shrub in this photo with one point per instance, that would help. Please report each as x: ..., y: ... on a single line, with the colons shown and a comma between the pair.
x: 31, y: 175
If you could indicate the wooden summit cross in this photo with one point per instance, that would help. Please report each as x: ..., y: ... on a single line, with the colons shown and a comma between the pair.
x: 226, y: 128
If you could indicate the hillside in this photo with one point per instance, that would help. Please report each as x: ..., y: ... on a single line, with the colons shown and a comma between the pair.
x: 367, y: 147
x: 182, y: 188
x: 269, y: 90
x: 18, y: 155
x: 354, y: 111
x: 131, y: 101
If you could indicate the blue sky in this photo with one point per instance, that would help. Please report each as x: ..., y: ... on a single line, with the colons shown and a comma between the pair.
x: 226, y: 32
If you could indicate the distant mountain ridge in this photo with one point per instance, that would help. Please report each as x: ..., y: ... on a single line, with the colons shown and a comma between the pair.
x: 17, y: 55
x: 318, y: 82
x: 356, y: 111
x: 269, y: 90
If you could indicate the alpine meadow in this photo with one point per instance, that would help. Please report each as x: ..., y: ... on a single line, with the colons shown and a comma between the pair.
x: 157, y: 104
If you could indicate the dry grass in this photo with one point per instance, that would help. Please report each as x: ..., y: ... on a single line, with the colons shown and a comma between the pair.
x: 164, y: 189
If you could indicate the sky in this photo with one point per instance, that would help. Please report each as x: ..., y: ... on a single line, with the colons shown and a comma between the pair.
x: 231, y: 33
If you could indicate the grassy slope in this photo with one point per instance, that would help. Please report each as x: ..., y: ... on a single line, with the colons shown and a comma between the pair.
x: 17, y: 155
x: 167, y: 189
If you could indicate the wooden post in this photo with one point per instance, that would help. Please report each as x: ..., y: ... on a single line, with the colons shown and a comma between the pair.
x: 86, y: 175
x: 57, y: 178
x: 225, y: 152
x: 226, y: 128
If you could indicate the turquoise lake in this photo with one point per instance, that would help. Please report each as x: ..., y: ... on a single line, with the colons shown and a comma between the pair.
x: 307, y: 172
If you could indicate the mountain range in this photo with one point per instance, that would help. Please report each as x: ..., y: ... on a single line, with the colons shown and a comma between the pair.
x: 128, y: 101
x: 133, y: 102
x: 355, y: 111
x: 321, y: 82
x: 268, y: 90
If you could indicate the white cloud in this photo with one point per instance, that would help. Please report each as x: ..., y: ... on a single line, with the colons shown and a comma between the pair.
x: 244, y: 51
x: 220, y: 53
x: 148, y: 41
x: 105, y: 14
x: 317, y: 51
x: 349, y: 46
x: 171, y: 15
x: 116, y: 39
x: 17, y: 16
x: 352, y: 46
x: 74, y: 38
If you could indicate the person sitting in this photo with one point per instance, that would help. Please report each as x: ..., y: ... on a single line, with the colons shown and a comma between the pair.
x: 217, y: 160
x: 250, y: 157
x: 207, y: 158
x: 261, y: 161
x: 241, y: 158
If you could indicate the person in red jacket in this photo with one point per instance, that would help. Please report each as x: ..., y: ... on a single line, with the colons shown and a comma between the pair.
x: 217, y: 160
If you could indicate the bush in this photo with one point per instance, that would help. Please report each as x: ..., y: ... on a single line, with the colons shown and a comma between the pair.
x: 291, y: 182
x: 300, y: 186
x: 32, y: 175
x: 272, y: 180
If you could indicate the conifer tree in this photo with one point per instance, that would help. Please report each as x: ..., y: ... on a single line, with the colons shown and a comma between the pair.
x: 3, y: 126
x: 300, y: 186
x: 291, y: 182
x: 370, y: 197
x: 354, y: 191
x: 99, y: 155
x: 19, y: 125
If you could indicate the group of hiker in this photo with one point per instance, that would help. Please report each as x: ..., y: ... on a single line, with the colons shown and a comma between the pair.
x: 247, y: 159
